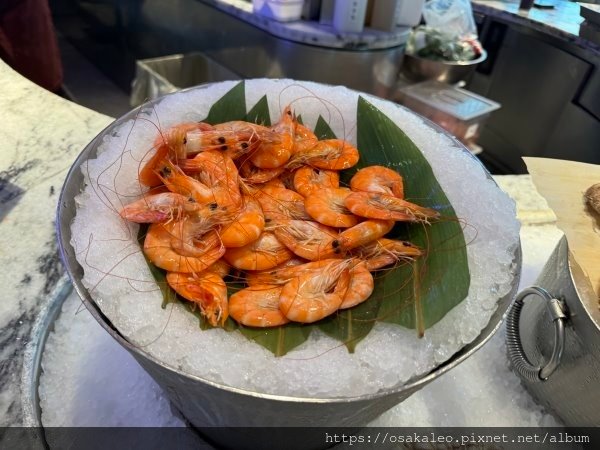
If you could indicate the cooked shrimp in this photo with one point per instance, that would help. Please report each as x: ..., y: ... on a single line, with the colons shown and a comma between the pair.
x: 247, y: 225
x: 219, y: 173
x: 207, y: 290
x: 326, y: 206
x: 303, y: 133
x: 274, y: 183
x: 176, y: 137
x: 255, y: 175
x: 330, y: 154
x: 361, y: 234
x: 283, y: 273
x: 157, y: 247
x: 361, y: 286
x: 314, y: 296
x: 378, y: 179
x: 384, y: 252
x: 148, y: 174
x: 191, y: 237
x: 386, y: 207
x: 177, y: 181
x: 307, y: 239
x: 169, y: 144
x: 220, y: 267
x: 276, y: 151
x: 269, y: 276
x: 309, y: 179
x: 252, y: 133
x: 264, y: 253
x: 281, y: 204
x: 304, y: 138
x: 257, y: 306
x: 162, y: 207
x: 287, y: 178
x: 234, y: 139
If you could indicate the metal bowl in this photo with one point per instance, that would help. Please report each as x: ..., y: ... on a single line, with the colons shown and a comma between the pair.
x: 209, y: 404
x: 451, y: 72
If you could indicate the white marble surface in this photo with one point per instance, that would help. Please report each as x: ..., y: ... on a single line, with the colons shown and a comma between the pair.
x: 40, y: 136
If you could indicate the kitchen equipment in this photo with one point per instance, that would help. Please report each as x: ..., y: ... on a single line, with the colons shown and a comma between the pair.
x: 209, y: 404
x: 387, y: 14
x: 590, y: 27
x: 311, y: 9
x: 545, y: 4
x: 409, y: 12
x: 553, y: 340
x: 458, y: 111
x: 383, y: 16
x: 326, y: 15
x: 525, y: 5
x: 419, y: 69
x: 349, y: 15
x: 155, y: 77
x: 281, y: 10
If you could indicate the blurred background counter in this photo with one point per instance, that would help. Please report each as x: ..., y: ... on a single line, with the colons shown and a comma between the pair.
x: 547, y: 79
x: 114, y: 35
x: 563, y: 20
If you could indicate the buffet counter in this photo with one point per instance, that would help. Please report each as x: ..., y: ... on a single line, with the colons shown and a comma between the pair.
x: 312, y: 32
x: 41, y: 135
x: 562, y: 21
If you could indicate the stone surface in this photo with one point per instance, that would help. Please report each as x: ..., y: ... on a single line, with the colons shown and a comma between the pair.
x: 40, y: 136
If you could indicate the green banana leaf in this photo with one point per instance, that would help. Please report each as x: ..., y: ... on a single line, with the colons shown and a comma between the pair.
x: 232, y: 106
x: 439, y: 281
x: 323, y: 130
x: 415, y: 295
x: 260, y: 113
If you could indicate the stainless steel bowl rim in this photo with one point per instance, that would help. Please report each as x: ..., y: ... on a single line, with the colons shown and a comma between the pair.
x: 481, y: 58
x: 100, y: 318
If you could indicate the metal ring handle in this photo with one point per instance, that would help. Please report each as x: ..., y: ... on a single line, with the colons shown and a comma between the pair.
x: 516, y: 353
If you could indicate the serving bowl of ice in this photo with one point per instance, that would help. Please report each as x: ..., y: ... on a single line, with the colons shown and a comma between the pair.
x: 358, y: 363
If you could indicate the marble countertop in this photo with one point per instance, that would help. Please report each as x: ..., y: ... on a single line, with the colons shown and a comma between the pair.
x: 40, y: 136
x: 562, y: 21
x: 312, y: 32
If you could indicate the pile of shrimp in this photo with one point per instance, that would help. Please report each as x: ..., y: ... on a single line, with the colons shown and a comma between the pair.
x: 266, y: 202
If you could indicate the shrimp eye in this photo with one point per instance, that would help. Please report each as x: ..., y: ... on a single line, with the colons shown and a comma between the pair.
x: 223, y: 147
x: 184, y: 140
x: 244, y: 145
x: 165, y: 171
x: 191, y: 200
x: 407, y: 244
x: 335, y: 244
x: 212, y: 206
x: 221, y: 140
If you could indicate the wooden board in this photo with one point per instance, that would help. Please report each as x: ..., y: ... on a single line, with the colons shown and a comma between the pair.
x: 563, y: 184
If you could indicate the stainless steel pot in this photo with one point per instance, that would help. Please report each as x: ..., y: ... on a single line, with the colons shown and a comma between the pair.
x: 562, y: 334
x: 208, y: 404
x: 451, y: 72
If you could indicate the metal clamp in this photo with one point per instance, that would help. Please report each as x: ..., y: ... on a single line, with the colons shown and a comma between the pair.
x: 516, y: 353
